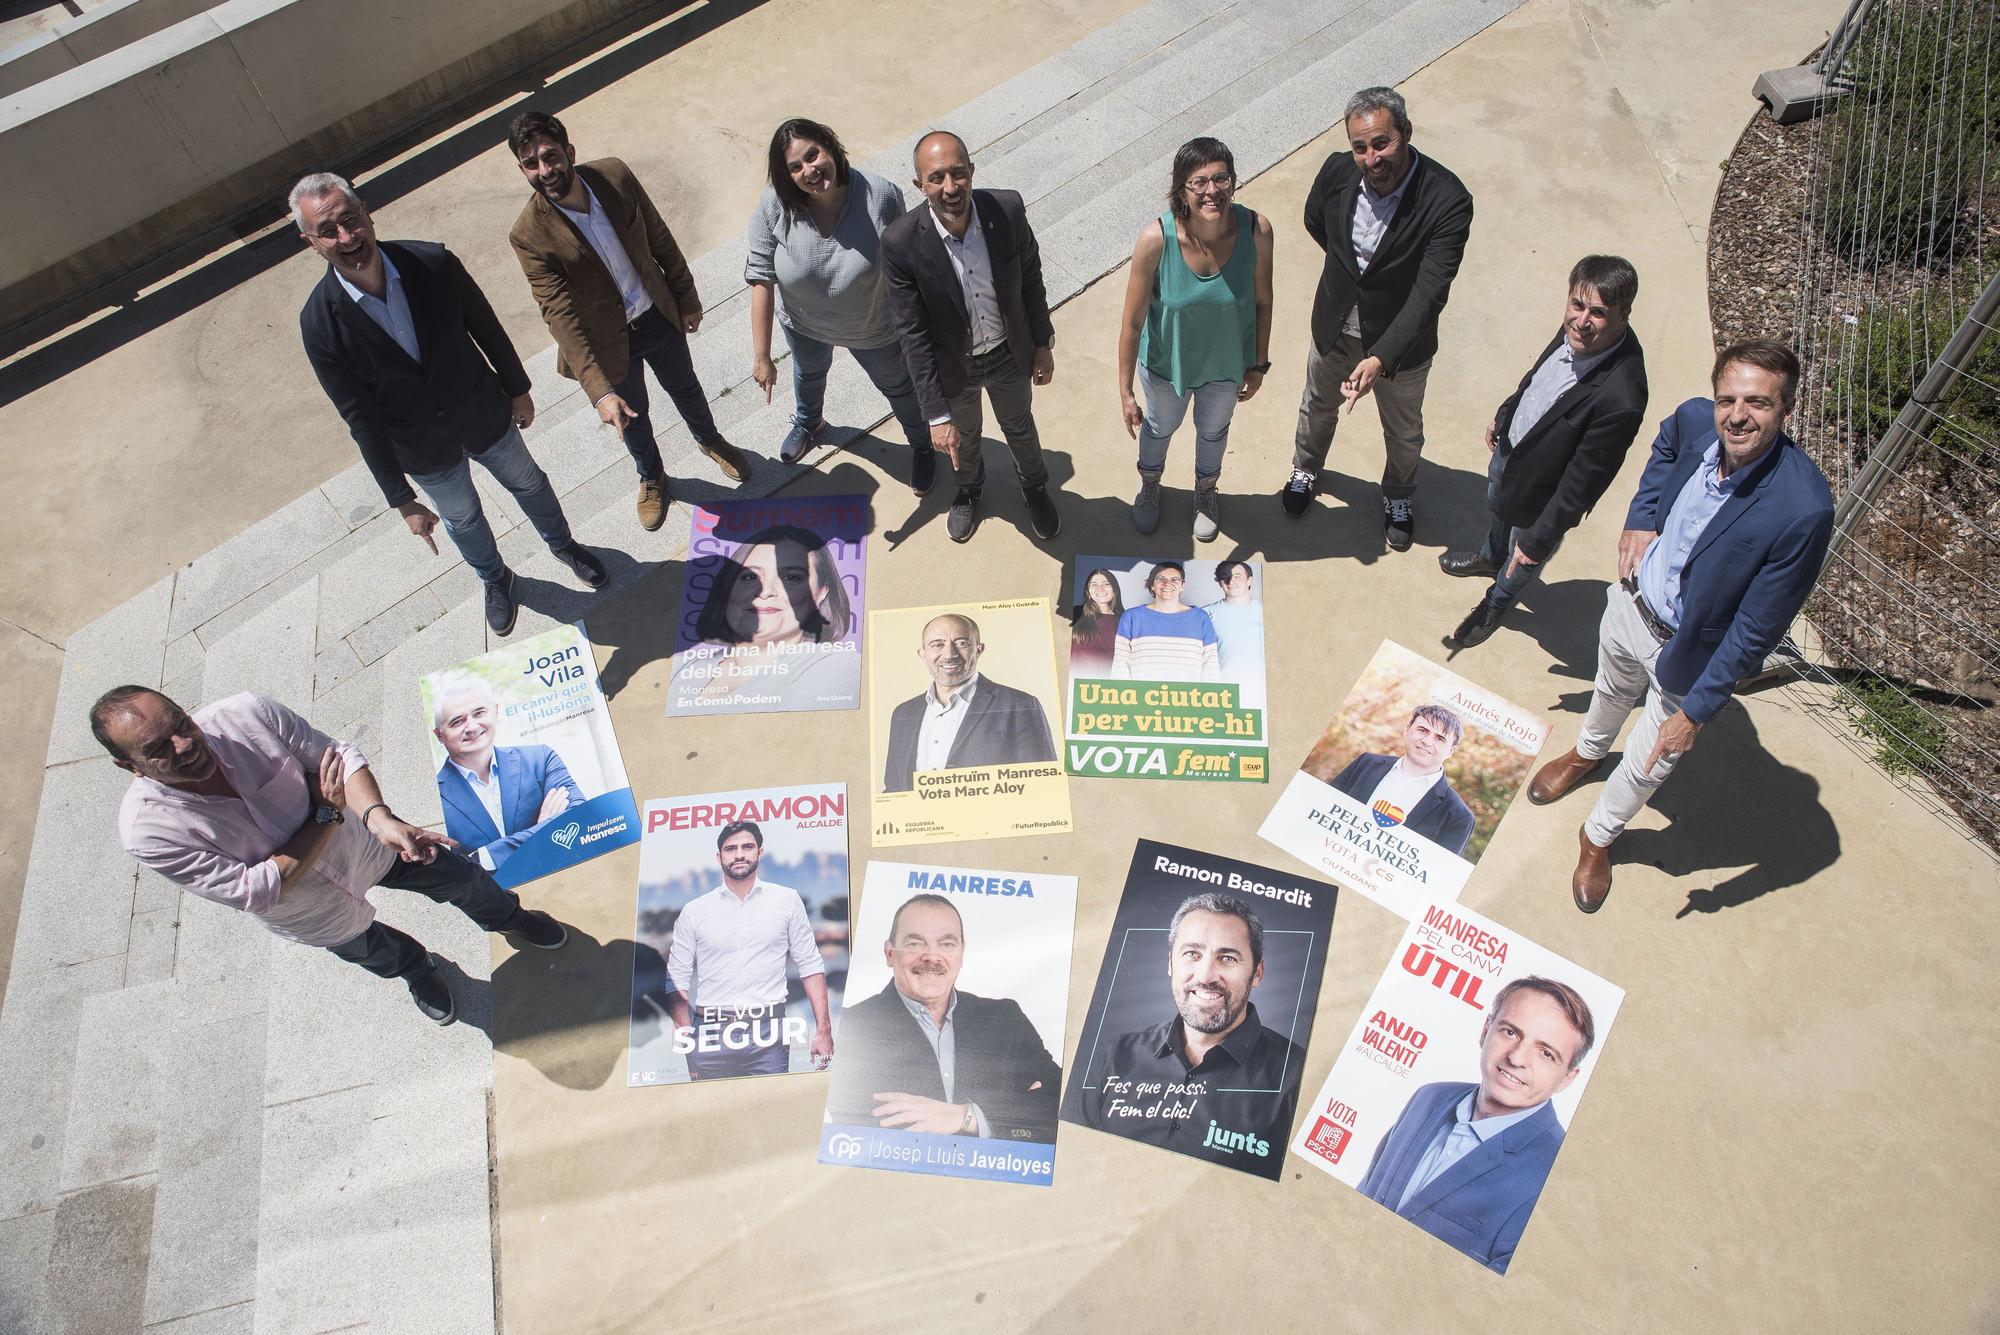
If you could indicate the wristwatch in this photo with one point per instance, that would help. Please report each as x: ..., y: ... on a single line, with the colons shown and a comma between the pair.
x: 971, y: 1125
x: 326, y: 815
x: 1261, y: 368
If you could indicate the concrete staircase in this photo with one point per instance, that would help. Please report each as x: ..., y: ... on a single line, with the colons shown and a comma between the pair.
x: 204, y: 1129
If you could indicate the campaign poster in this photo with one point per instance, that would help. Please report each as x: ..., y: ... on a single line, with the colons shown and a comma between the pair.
x: 1166, y: 670
x: 1460, y: 1080
x: 961, y: 696
x: 1400, y: 794
x: 740, y: 948
x: 770, y: 618
x: 952, y: 1038
x: 1197, y: 1030
x: 528, y: 771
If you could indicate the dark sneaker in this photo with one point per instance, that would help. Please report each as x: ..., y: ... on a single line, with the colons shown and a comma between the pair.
x: 500, y: 606
x: 1146, y: 505
x: 433, y: 998
x: 1399, y: 524
x: 536, y: 928
x: 583, y: 563
x: 963, y: 518
x: 798, y: 440
x: 1042, y: 516
x: 923, y: 470
x: 1467, y: 564
x: 1478, y: 626
x: 728, y: 458
x: 1298, y: 492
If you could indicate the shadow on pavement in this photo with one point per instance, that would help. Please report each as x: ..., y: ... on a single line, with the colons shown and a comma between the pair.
x: 133, y: 314
x: 1731, y: 803
x: 565, y: 1012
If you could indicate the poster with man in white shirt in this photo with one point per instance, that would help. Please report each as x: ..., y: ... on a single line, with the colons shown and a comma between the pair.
x: 529, y: 777
x: 742, y: 934
x: 1400, y: 794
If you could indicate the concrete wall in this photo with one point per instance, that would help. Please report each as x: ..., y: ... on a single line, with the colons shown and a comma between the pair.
x: 101, y: 29
x: 147, y: 146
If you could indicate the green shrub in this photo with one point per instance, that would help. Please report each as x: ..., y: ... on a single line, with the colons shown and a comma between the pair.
x: 1890, y: 352
x: 1908, y: 738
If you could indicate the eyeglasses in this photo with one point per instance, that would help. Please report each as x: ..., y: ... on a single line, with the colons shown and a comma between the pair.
x: 1220, y: 181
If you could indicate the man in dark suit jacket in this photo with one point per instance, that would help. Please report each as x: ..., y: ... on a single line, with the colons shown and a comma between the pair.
x: 1721, y: 546
x: 1393, y: 225
x: 616, y: 294
x: 1466, y: 1162
x: 997, y: 1078
x: 1558, y: 440
x: 964, y: 276
x: 409, y: 350
x: 964, y: 718
x: 1438, y: 813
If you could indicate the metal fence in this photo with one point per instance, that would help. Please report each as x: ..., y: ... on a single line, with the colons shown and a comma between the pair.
x: 1899, y: 292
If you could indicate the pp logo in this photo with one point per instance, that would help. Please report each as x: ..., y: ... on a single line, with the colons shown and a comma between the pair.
x: 1328, y: 1139
x: 566, y: 837
x: 843, y: 1146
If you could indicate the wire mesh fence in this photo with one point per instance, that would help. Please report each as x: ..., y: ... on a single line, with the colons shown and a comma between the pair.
x: 1898, y: 294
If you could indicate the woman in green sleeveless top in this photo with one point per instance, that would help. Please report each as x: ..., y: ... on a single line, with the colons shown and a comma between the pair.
x: 1197, y: 326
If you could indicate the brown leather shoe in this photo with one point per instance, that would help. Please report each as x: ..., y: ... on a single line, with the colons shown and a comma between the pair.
x: 728, y: 458
x: 1592, y: 881
x: 1560, y: 775
x: 654, y: 498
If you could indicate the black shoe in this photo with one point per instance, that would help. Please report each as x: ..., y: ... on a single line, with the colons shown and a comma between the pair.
x: 1399, y: 524
x: 923, y: 470
x: 1478, y: 626
x: 1467, y: 564
x: 584, y: 564
x: 536, y: 928
x: 500, y: 607
x: 963, y: 519
x: 433, y: 998
x: 1042, y: 516
x: 1298, y: 492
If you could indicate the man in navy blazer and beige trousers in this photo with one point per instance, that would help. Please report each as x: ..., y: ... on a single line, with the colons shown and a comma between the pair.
x: 1721, y: 546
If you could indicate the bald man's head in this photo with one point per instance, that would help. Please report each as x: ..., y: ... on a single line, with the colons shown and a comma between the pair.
x: 951, y: 649
x: 944, y: 173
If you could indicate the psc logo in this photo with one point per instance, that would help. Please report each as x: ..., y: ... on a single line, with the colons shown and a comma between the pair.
x: 841, y: 1145
x: 565, y: 838
x: 1328, y: 1140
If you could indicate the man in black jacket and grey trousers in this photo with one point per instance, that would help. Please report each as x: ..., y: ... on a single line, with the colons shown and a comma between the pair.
x: 410, y: 352
x: 1558, y: 441
x: 1393, y: 224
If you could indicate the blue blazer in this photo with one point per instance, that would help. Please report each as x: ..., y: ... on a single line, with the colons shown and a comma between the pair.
x: 1752, y: 567
x: 1442, y: 816
x: 527, y: 775
x: 1481, y: 1203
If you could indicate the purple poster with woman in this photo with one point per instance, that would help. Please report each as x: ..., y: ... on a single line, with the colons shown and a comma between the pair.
x: 770, y: 618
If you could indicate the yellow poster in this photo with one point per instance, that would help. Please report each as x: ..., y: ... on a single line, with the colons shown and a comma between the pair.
x: 960, y: 702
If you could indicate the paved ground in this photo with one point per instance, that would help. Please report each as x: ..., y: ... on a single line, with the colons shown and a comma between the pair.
x: 204, y: 1141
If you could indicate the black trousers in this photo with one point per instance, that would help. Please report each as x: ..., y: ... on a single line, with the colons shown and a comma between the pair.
x: 449, y: 878
x: 657, y: 342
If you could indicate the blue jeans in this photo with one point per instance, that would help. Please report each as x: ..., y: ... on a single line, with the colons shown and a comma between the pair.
x: 812, y: 359
x: 1501, y: 538
x: 456, y: 500
x: 1214, y: 404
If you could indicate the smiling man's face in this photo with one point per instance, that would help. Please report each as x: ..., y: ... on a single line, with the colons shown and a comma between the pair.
x: 340, y: 231
x: 1525, y: 1054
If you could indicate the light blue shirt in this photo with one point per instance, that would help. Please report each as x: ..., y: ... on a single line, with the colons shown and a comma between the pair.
x: 1461, y: 1137
x: 1701, y: 496
x: 1555, y: 377
x: 943, y: 1039
x: 391, y: 311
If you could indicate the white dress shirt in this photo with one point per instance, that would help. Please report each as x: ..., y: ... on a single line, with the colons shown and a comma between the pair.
x: 1403, y: 789
x: 974, y: 266
x: 941, y: 725
x: 1555, y: 377
x: 488, y: 793
x: 391, y: 310
x: 1372, y: 215
x: 730, y: 950
x: 603, y: 237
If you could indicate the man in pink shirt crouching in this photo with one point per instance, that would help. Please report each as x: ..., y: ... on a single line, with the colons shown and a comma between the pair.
x: 247, y: 804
